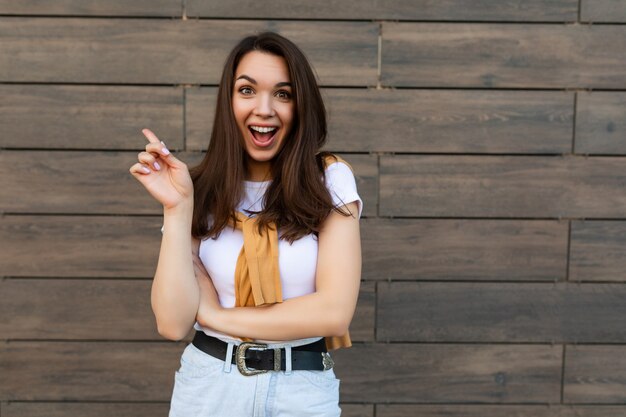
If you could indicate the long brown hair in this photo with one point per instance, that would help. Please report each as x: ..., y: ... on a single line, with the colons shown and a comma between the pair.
x: 297, y: 199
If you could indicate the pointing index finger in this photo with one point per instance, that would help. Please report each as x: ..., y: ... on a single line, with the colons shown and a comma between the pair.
x: 150, y: 136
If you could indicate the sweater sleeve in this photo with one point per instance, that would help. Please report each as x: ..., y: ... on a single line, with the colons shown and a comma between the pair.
x: 341, y: 184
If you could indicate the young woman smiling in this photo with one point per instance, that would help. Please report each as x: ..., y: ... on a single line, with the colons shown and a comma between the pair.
x: 261, y: 248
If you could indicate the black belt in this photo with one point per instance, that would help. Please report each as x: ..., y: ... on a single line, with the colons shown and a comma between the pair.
x: 313, y: 356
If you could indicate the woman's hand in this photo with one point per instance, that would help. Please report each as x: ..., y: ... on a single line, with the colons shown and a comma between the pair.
x: 165, y: 177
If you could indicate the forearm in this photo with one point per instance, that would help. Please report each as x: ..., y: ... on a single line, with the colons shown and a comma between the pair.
x: 326, y: 312
x: 296, y: 318
x: 175, y: 294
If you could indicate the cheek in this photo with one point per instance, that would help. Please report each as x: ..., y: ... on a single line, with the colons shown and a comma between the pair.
x: 287, y: 115
x: 240, y: 110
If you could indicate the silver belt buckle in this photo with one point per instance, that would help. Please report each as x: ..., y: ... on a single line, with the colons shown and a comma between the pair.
x: 327, y: 361
x: 241, y: 358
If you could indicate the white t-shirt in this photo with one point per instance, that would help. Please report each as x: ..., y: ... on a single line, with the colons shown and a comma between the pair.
x: 297, y: 262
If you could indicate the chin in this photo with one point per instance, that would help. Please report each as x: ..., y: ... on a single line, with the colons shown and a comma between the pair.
x: 262, y: 155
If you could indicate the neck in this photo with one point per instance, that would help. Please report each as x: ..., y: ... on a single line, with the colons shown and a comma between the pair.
x: 258, y: 170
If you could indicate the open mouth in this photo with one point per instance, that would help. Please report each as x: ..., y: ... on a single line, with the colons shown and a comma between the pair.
x: 263, y: 136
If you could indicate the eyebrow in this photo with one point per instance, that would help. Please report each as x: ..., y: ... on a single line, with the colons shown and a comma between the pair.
x: 253, y: 81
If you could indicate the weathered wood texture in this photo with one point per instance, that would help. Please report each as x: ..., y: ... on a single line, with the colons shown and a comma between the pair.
x: 149, y: 51
x: 200, y: 106
x: 34, y: 308
x: 489, y: 149
x: 65, y: 182
x: 119, y: 247
x: 360, y: 120
x: 356, y: 410
x: 483, y: 10
x: 80, y: 246
x: 402, y: 410
x: 73, y: 182
x: 363, y: 323
x: 425, y: 120
x: 450, y: 121
x: 108, y: 309
x: 88, y: 371
x: 503, y: 186
x: 72, y: 409
x: 136, y: 371
x: 595, y: 374
x: 598, y: 251
x: 438, y: 249
x: 503, y: 55
x: 449, y: 373
x: 89, y: 117
x: 501, y: 312
x: 603, y: 11
x: 129, y: 409
x: 601, y: 123
x: 98, y: 8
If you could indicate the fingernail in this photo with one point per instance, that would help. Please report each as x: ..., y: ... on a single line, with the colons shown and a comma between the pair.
x: 156, y: 165
x: 146, y: 170
x: 165, y: 151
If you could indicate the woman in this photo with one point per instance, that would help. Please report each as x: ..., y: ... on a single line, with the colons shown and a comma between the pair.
x: 261, y: 247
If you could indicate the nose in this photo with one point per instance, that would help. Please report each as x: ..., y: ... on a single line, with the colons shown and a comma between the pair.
x: 264, y: 106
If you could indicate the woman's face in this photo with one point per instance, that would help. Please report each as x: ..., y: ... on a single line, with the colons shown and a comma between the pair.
x: 263, y: 108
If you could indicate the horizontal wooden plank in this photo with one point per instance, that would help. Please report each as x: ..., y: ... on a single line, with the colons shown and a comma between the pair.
x: 356, y: 410
x: 200, y: 105
x: 181, y: 51
x: 89, y: 117
x: 64, y: 182
x: 409, y: 373
x: 33, y: 308
x: 88, y: 371
x: 598, y: 251
x: 425, y: 120
x: 603, y: 10
x: 363, y: 322
x: 127, y: 409
x: 450, y: 121
x: 601, y: 123
x: 58, y: 181
x: 392, y: 249
x: 551, y: 410
x: 93, y: 8
x: 90, y: 409
x: 484, y: 10
x: 80, y: 246
x: 501, y: 312
x: 503, y: 55
x: 365, y: 168
x: 433, y: 249
x: 595, y: 374
x: 502, y: 186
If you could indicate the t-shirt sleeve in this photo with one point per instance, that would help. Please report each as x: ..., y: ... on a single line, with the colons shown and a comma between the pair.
x: 341, y: 183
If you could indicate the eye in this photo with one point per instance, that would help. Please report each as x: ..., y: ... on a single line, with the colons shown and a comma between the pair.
x: 284, y: 94
x: 245, y: 90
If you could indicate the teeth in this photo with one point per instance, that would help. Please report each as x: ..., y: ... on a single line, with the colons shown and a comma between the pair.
x: 262, y: 129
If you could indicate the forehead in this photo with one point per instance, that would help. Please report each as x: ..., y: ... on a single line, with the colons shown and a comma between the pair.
x: 263, y: 66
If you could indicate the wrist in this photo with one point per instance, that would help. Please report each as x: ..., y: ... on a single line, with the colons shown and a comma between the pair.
x: 185, y: 207
x: 182, y: 212
x: 209, y: 316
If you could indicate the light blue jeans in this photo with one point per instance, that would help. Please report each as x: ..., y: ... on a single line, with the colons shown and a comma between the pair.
x: 205, y: 386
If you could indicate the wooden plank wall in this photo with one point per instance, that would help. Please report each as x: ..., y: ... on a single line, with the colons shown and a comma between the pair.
x: 489, y: 142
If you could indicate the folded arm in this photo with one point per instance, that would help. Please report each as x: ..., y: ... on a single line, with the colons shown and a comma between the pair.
x: 326, y: 312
